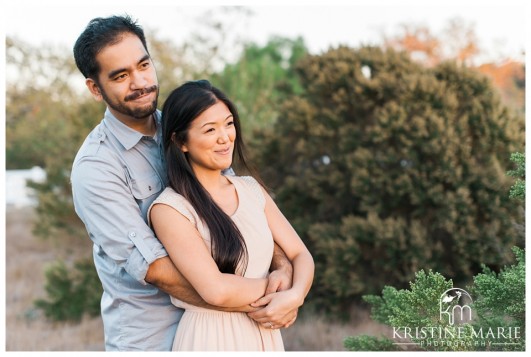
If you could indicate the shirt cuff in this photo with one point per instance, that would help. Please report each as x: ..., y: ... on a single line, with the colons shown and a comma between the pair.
x: 141, y: 257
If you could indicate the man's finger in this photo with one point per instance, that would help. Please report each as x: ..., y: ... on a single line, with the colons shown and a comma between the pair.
x: 272, y: 285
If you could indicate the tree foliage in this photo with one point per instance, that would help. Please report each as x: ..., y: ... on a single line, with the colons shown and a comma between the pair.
x: 47, y: 129
x: 386, y: 167
x: 459, y: 43
x: 501, y: 298
x: 518, y: 189
x: 260, y: 79
x: 71, y: 292
x: 499, y: 305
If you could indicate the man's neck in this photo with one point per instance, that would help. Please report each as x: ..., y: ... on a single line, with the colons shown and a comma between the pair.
x: 146, y: 126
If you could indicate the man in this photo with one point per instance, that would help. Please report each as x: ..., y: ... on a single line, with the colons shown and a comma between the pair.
x: 116, y: 175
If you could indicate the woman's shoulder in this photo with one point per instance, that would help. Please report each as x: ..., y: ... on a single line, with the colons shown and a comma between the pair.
x: 168, y: 194
x: 178, y: 202
x: 252, y: 186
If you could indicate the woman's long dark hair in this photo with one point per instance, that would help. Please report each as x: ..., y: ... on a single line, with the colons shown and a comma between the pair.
x: 183, y: 105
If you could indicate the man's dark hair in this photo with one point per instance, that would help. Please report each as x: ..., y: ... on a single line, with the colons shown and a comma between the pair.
x: 100, y: 33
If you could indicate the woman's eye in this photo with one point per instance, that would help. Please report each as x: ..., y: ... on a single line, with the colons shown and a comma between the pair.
x: 230, y: 123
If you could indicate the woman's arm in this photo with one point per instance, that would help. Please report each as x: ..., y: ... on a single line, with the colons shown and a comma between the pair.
x: 286, y: 237
x: 193, y: 260
x: 164, y: 275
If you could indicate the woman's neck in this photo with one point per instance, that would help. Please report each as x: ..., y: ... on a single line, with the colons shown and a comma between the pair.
x: 211, y: 180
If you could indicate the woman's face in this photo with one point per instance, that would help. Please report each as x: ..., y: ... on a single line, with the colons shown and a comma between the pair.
x: 210, y: 139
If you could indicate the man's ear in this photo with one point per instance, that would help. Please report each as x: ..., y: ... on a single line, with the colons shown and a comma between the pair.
x: 94, y: 89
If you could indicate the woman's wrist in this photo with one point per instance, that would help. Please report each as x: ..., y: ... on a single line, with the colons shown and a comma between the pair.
x: 298, y: 295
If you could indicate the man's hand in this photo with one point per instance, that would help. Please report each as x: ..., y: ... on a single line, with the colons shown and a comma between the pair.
x: 267, y: 316
x: 278, y: 280
x: 281, y: 275
x: 276, y: 315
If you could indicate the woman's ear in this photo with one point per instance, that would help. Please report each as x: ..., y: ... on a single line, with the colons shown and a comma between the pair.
x: 94, y: 89
x: 178, y: 143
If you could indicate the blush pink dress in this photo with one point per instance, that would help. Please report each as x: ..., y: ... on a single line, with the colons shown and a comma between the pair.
x: 203, y: 329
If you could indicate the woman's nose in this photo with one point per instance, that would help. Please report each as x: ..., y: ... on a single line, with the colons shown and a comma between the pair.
x: 223, y: 136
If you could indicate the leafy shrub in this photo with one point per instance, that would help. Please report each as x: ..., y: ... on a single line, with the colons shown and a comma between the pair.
x: 71, y: 293
x: 499, y: 304
x: 518, y: 189
x: 370, y: 343
x: 386, y: 167
x: 501, y: 299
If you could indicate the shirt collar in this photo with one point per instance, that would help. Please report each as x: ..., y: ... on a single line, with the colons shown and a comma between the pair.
x: 126, y: 136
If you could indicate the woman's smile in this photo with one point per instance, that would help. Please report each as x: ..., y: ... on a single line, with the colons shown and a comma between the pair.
x: 225, y: 151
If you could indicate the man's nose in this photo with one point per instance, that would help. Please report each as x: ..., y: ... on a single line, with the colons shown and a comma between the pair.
x: 138, y: 80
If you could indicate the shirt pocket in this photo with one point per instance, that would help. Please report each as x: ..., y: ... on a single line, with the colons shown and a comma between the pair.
x: 145, y: 187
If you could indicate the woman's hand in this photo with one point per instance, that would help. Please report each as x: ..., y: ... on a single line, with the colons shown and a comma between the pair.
x: 279, y: 311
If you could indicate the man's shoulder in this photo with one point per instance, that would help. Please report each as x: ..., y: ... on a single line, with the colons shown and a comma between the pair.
x: 96, y: 145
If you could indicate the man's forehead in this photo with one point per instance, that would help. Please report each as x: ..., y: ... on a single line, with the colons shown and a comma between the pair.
x: 127, y: 51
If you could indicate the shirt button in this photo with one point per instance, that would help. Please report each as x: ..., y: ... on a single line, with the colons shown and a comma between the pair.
x: 132, y: 234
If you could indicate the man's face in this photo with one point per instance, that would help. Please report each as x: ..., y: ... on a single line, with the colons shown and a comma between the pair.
x: 127, y: 81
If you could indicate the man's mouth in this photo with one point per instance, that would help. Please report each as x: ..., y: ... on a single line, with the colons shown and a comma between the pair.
x: 140, y: 93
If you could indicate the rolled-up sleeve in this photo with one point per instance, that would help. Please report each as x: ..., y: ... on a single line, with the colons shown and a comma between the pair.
x: 104, y: 202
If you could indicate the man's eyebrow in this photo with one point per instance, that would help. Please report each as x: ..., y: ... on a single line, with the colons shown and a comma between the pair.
x: 114, y: 73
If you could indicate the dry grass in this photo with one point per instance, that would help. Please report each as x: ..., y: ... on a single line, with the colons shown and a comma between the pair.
x: 27, y: 256
x: 28, y: 330
x: 312, y: 332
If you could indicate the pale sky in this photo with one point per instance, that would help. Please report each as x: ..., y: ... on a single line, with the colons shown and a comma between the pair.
x: 500, y: 25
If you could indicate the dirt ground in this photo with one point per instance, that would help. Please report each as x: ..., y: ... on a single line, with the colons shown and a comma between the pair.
x: 26, y: 258
x: 28, y: 330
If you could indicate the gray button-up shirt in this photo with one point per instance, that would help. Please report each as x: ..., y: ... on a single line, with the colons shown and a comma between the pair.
x: 116, y: 175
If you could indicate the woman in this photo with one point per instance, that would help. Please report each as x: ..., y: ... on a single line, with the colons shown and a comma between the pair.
x: 219, y: 230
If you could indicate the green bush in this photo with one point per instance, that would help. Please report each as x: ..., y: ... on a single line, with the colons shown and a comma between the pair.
x: 501, y: 299
x: 499, y: 304
x: 370, y: 343
x: 518, y: 189
x: 386, y: 167
x: 71, y: 293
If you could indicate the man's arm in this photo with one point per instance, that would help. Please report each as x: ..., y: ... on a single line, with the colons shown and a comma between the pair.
x: 280, y: 279
x: 163, y: 274
x: 281, y: 275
